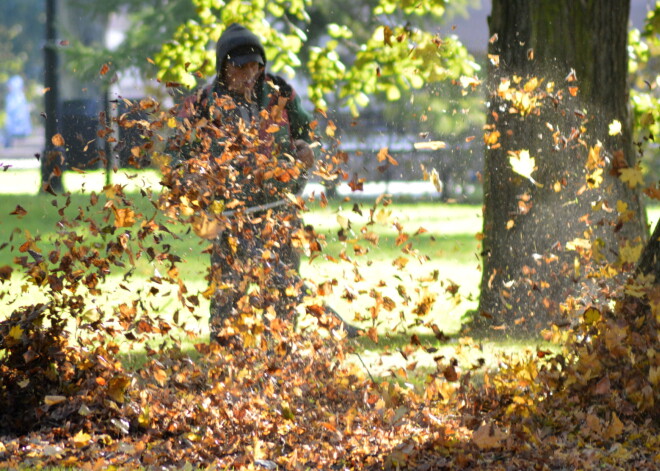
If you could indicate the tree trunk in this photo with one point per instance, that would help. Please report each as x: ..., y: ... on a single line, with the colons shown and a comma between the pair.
x: 544, y: 236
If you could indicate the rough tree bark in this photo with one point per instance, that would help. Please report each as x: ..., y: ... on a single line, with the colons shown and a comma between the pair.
x: 530, y: 265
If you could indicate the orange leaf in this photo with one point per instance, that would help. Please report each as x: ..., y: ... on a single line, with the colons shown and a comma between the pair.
x: 124, y: 217
x: 57, y: 140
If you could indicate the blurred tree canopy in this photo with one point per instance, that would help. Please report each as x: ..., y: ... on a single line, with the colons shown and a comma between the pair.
x: 353, y: 50
x: 20, y: 41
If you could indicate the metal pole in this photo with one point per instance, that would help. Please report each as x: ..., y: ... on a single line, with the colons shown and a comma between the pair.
x: 51, y: 157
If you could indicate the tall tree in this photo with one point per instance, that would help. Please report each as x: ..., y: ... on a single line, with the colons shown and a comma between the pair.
x: 561, y: 173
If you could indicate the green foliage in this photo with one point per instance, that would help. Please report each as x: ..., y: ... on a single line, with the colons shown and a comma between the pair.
x: 21, y: 32
x: 389, y: 52
x: 644, y: 59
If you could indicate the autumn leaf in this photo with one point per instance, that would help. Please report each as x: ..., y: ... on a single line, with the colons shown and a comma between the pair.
x: 16, y: 332
x: 81, y: 439
x: 19, y: 211
x: 615, y: 428
x: 5, y: 273
x: 430, y: 145
x: 523, y: 164
x: 488, y: 436
x: 54, y: 400
x: 632, y: 176
x: 57, y: 140
x: 630, y: 252
x: 614, y: 128
x: 117, y: 387
x: 124, y: 217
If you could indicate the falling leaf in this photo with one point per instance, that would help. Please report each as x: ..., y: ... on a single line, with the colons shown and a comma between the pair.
x: 16, y: 332
x: 117, y: 387
x: 523, y: 164
x: 81, y: 439
x: 5, y: 273
x: 435, y: 179
x: 614, y: 127
x: 591, y: 315
x: 57, y: 140
x: 430, y: 145
x: 54, y: 400
x: 104, y: 69
x: 19, y: 211
x: 124, y: 217
x: 632, y: 176
x: 382, y: 154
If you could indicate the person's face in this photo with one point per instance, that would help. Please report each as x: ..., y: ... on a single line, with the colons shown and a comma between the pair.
x: 242, y: 78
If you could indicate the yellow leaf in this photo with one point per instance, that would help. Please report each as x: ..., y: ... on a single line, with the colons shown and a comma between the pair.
x: 217, y: 207
x: 630, y: 253
x: 435, y: 179
x: 531, y: 85
x: 171, y: 123
x: 382, y: 154
x: 595, y: 159
x: 54, y: 400
x: 431, y: 145
x: 400, y: 262
x: 16, y: 332
x: 632, y: 176
x: 117, y: 387
x: 81, y: 439
x: 491, y: 138
x: 615, y: 128
x: 523, y: 164
x: 160, y: 375
x: 124, y: 217
x: 591, y: 315
x: 330, y: 129
x: 595, y: 179
x: 654, y: 375
x: 161, y: 160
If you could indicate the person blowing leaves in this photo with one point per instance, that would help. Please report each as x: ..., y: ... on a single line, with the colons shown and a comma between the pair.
x: 247, y: 146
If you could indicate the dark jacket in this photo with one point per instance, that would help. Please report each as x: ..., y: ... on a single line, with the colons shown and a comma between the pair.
x: 261, y: 155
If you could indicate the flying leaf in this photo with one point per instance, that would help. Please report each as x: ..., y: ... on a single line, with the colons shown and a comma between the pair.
x: 54, y: 400
x: 19, y: 211
x: 523, y: 164
x: 431, y: 145
x: 81, y: 439
x: 16, y: 332
x: 435, y: 179
x: 57, y: 140
x: 124, y: 217
x: 632, y: 176
x: 615, y: 127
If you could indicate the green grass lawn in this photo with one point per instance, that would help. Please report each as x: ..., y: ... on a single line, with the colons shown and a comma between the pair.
x: 442, y: 262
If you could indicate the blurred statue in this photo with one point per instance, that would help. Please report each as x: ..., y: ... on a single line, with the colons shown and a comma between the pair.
x: 17, y: 108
